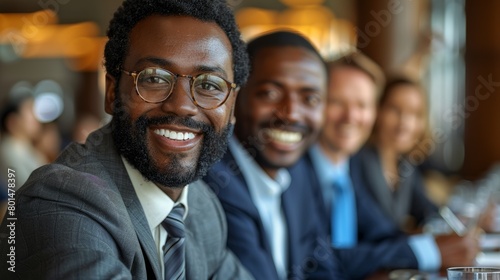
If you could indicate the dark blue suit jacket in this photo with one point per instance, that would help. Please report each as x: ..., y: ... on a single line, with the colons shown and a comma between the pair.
x: 381, y: 245
x: 310, y: 254
x: 410, y: 202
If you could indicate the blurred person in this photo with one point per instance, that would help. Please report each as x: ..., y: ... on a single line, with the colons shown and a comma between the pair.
x: 49, y: 141
x: 398, y: 145
x: 272, y: 214
x: 369, y: 240
x: 19, y: 129
x: 128, y: 204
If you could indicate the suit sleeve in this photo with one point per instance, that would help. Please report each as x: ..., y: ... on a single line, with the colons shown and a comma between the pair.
x: 244, y: 235
x: 243, y: 240
x: 228, y: 265
x: 367, y: 257
x: 381, y: 245
x: 56, y: 235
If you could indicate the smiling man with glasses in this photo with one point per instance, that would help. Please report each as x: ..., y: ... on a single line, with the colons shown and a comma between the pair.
x: 128, y: 204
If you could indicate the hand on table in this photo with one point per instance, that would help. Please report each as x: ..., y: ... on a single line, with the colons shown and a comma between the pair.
x: 487, y: 219
x: 459, y: 250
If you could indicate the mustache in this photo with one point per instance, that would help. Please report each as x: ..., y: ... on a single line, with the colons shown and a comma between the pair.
x: 284, y: 125
x: 144, y: 121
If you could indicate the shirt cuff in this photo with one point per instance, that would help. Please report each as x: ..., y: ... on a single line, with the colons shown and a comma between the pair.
x: 425, y: 249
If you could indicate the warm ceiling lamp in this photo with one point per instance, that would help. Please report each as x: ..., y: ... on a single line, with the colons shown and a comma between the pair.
x: 329, y: 34
x: 318, y: 16
x: 37, y: 35
x: 255, y: 16
x: 55, y: 40
x: 19, y: 21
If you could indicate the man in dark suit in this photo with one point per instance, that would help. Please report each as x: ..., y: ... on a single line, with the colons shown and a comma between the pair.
x: 273, y: 221
x: 376, y: 242
x: 108, y: 208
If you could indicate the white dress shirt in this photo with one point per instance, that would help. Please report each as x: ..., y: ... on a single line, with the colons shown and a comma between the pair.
x: 266, y: 195
x: 156, y: 205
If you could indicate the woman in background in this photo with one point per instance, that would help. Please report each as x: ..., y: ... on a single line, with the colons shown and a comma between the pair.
x: 399, y: 143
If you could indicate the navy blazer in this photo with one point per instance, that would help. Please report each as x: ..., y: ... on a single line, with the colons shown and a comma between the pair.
x: 409, y: 201
x: 381, y: 245
x: 310, y: 254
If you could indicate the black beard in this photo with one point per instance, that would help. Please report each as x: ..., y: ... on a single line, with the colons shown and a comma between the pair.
x: 130, y: 139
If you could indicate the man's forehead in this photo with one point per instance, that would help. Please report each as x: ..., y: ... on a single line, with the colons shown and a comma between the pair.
x: 198, y: 42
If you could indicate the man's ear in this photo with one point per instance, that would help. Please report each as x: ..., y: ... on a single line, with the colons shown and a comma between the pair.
x: 109, y: 94
x: 233, y: 118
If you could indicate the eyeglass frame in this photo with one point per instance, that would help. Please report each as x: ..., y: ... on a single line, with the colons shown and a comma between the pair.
x: 135, y: 74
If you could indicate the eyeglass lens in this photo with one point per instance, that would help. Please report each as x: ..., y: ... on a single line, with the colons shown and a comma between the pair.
x: 155, y: 85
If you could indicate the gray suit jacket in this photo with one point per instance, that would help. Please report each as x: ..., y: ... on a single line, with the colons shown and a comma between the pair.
x: 80, y: 218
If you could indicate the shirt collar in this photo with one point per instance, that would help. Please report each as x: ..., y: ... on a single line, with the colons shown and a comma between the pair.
x: 155, y: 203
x: 258, y: 181
x: 332, y: 171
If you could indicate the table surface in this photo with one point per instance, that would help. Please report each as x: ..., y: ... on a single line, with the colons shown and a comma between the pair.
x: 489, y: 257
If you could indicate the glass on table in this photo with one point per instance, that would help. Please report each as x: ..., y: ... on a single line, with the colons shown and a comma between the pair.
x: 473, y: 273
x: 469, y: 201
x: 461, y: 213
x: 408, y: 274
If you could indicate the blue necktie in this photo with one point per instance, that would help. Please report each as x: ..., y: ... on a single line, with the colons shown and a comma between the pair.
x: 173, y: 251
x: 344, y: 224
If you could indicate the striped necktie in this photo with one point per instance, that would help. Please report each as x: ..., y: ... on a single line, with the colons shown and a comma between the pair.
x: 173, y: 251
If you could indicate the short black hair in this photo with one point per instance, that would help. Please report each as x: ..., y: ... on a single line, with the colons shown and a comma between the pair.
x: 133, y: 11
x: 281, y: 38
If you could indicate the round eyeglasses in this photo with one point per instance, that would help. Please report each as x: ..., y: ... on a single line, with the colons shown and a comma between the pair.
x: 154, y: 85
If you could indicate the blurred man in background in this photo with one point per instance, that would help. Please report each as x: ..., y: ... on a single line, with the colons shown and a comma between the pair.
x: 364, y: 238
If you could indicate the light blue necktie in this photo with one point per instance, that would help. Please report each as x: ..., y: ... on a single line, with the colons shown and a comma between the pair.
x: 173, y: 251
x: 344, y: 224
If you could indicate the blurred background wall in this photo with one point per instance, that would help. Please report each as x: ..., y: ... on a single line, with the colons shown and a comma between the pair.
x: 451, y: 46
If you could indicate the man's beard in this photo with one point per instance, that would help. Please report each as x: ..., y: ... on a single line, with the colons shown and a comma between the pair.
x: 130, y: 139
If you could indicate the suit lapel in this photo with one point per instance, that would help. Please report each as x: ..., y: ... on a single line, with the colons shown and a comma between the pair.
x: 295, y: 215
x: 195, y: 254
x: 143, y: 232
x: 242, y: 199
x: 110, y: 158
x: 379, y: 187
x: 289, y: 206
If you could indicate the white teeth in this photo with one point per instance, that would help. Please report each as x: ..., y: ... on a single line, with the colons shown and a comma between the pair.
x: 284, y: 136
x: 174, y: 135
